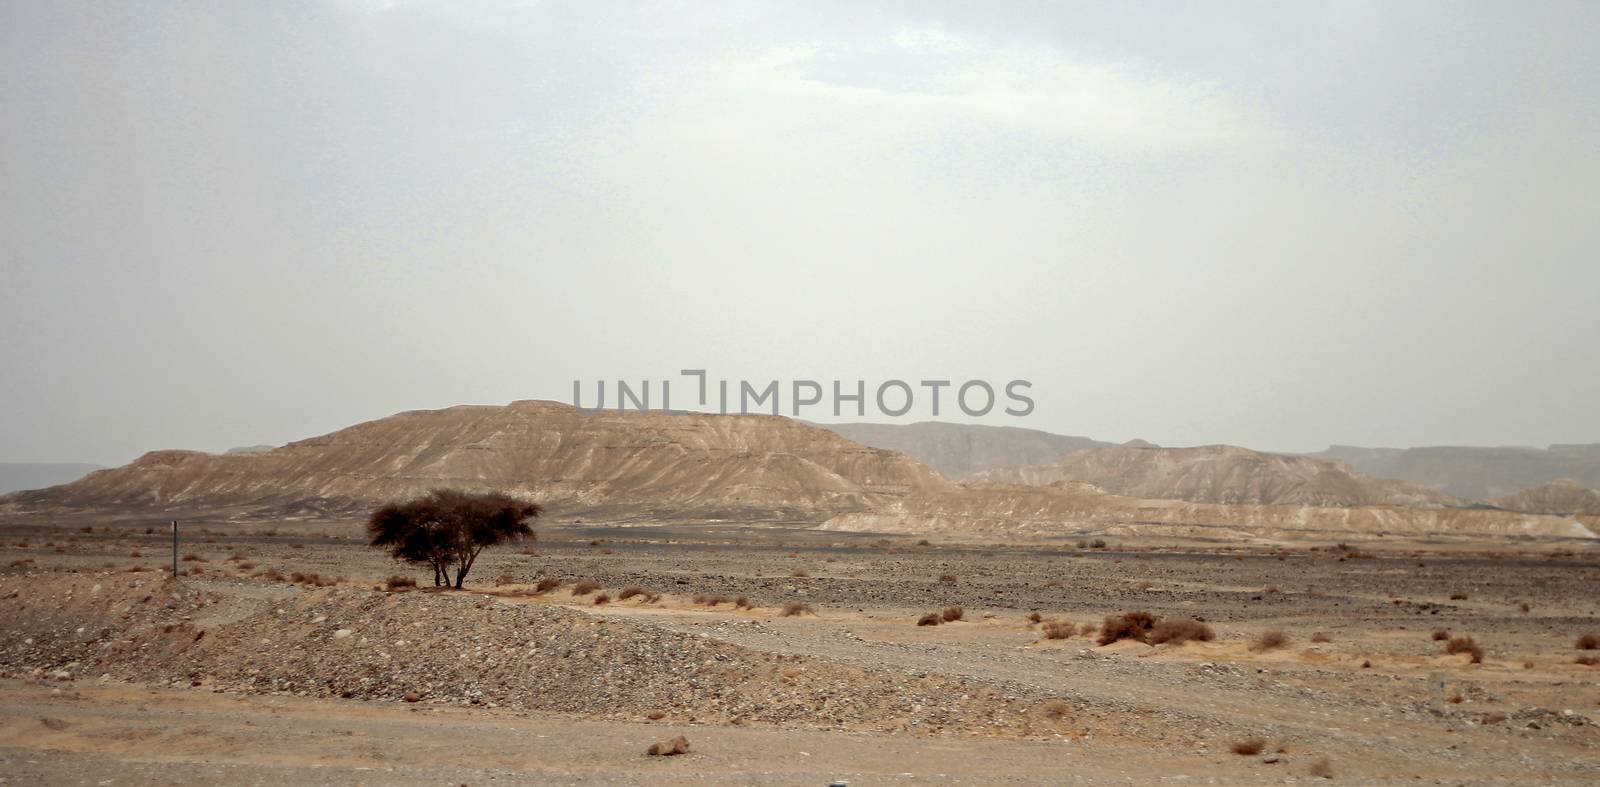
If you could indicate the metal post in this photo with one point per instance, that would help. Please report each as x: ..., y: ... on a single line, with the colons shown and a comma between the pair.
x: 174, y: 549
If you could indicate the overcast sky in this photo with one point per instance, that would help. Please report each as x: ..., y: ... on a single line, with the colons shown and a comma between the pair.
x: 1279, y: 225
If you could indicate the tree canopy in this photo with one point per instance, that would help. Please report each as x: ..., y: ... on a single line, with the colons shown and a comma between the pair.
x: 447, y: 528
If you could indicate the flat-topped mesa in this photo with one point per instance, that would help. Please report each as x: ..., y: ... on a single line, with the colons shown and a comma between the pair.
x: 695, y: 465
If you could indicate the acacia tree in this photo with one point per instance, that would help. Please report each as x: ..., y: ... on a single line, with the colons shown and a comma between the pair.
x: 447, y: 528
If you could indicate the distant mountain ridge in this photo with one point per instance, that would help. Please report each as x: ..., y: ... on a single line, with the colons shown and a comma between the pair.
x: 1561, y: 497
x: 1222, y: 474
x: 961, y: 450
x: 15, y: 476
x: 1474, y: 472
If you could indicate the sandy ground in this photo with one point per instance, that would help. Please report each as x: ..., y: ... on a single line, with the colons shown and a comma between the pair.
x: 1373, y: 696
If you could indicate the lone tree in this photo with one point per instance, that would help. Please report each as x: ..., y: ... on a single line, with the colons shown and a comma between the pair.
x: 449, y: 528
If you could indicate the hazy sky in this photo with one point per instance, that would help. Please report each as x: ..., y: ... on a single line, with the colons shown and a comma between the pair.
x: 1272, y: 224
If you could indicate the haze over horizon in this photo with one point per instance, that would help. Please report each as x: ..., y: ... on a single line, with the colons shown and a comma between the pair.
x: 1273, y: 226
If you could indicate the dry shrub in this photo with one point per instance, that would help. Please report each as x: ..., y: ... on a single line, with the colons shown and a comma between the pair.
x: 930, y: 619
x: 1590, y: 641
x: 1128, y: 625
x: 192, y: 558
x: 507, y: 577
x: 948, y: 579
x: 1248, y: 746
x: 1465, y: 645
x: 952, y: 614
x: 135, y: 553
x: 1440, y: 635
x: 741, y: 602
x: 1035, y: 617
x: 1456, y: 699
x: 1322, y: 768
x: 602, y: 599
x: 796, y: 609
x: 800, y: 572
x: 607, y: 551
x: 1458, y: 596
x: 1587, y: 661
x: 710, y: 601
x: 1178, y: 632
x: 631, y: 591
x: 584, y: 587
x: 398, y: 582
x: 1273, y: 590
x: 546, y: 585
x: 1057, y: 629
x: 1054, y: 710
x: 271, y: 575
x: 1270, y: 640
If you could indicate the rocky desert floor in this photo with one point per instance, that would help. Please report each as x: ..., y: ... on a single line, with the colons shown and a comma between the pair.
x: 788, y: 656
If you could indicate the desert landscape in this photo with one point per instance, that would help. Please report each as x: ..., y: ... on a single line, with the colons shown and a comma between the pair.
x: 798, y: 607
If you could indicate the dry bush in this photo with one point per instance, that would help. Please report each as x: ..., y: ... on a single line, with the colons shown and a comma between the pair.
x: 1128, y: 625
x: 584, y: 587
x: 1248, y: 746
x: 1465, y: 645
x: 546, y: 585
x: 1035, y: 617
x: 1270, y: 640
x: 1054, y: 710
x: 1322, y: 769
x: 135, y: 553
x: 1273, y: 590
x: 1057, y: 629
x: 192, y: 558
x: 948, y: 579
x: 1587, y: 661
x: 1458, y: 596
x: 271, y: 575
x: 800, y: 572
x: 1440, y: 635
x: 1456, y: 699
x: 507, y: 577
x: 607, y: 551
x: 1524, y: 608
x: 397, y: 582
x: 1320, y: 636
x: 711, y: 600
x: 297, y: 546
x: 1590, y: 641
x: 930, y: 619
x: 952, y: 614
x: 740, y: 602
x: 923, y: 542
x: 631, y: 591
x: 796, y: 609
x: 1178, y: 632
x: 602, y: 599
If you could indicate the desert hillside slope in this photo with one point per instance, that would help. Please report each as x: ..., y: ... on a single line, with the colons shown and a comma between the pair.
x: 1473, y: 472
x: 1221, y: 474
x: 960, y: 450
x: 749, y: 466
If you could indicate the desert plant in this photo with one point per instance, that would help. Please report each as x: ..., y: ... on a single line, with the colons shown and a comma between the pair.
x: 1248, y: 746
x: 546, y: 585
x: 948, y: 579
x: 1035, y: 617
x: 1440, y: 635
x: 741, y: 602
x: 1465, y: 645
x: 1590, y: 641
x: 602, y: 599
x: 448, y: 528
x: 930, y: 619
x: 1322, y: 768
x: 397, y: 582
x: 1128, y: 625
x: 584, y: 587
x: 192, y: 558
x: 952, y: 614
x: 796, y: 609
x: 630, y: 592
x: 1458, y: 596
x: 710, y: 600
x: 1269, y: 640
x: 1177, y: 632
x: 1587, y: 661
x: 1319, y: 636
x: 1054, y: 709
x: 1057, y: 629
x: 800, y: 572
